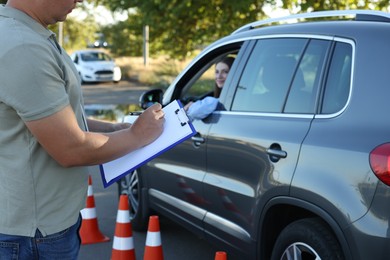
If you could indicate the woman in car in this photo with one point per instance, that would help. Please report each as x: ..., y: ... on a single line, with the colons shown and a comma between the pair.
x: 202, y: 108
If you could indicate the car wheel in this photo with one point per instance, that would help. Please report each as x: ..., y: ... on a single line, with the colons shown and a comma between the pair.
x: 131, y: 185
x: 307, y: 239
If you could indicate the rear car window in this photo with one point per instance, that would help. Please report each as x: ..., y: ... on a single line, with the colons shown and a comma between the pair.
x: 338, y: 80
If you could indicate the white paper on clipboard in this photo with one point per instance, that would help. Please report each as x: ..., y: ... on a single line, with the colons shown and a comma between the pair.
x: 177, y: 128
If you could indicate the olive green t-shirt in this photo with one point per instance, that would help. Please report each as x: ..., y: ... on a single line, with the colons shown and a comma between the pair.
x: 37, y: 79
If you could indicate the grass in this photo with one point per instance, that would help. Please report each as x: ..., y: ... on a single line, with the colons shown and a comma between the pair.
x: 159, y: 72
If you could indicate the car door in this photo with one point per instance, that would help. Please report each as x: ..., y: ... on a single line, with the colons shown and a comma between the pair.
x: 253, y: 146
x: 175, y: 177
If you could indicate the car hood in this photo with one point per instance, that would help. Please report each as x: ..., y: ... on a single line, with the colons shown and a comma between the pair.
x: 100, y: 64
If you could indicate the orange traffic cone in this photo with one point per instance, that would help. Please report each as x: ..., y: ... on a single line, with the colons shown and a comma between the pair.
x: 220, y: 255
x: 89, y: 230
x: 123, y: 245
x: 153, y: 247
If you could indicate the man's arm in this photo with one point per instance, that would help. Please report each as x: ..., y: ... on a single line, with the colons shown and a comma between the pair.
x: 105, y: 127
x: 60, y: 135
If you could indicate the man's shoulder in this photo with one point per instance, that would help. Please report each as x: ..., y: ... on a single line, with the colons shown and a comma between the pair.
x: 18, y: 33
x: 20, y: 28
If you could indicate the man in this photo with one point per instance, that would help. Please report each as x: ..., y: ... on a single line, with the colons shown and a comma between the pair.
x: 44, y: 142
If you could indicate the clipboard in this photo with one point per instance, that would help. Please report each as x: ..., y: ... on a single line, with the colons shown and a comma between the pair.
x: 177, y: 128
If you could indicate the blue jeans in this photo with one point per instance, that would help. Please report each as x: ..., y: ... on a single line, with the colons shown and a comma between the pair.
x: 61, y: 245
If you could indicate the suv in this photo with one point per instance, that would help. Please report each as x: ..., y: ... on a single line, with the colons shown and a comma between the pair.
x: 299, y: 171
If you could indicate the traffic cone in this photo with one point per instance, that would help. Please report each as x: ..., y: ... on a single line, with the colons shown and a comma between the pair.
x: 89, y: 230
x: 153, y: 247
x: 123, y: 245
x: 220, y: 255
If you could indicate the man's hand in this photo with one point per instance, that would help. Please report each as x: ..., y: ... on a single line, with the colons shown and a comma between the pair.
x: 149, y: 125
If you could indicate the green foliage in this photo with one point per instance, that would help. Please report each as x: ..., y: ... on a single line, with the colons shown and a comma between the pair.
x: 178, y: 27
x: 77, y: 34
x: 201, y: 87
x: 125, y: 38
x: 323, y: 5
x: 3, y: 1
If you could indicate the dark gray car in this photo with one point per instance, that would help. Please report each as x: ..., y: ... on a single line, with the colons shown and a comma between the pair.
x: 295, y: 164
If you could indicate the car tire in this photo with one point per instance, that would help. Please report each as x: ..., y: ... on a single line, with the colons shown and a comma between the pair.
x: 131, y: 185
x: 307, y: 239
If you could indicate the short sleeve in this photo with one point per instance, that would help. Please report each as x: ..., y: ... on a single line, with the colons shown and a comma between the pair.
x: 32, y: 80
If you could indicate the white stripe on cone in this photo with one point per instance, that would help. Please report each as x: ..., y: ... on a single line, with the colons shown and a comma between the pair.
x: 123, y: 216
x: 90, y: 190
x: 88, y: 213
x: 123, y: 243
x: 153, y: 239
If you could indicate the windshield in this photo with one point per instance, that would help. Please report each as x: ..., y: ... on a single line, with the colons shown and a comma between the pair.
x: 95, y: 56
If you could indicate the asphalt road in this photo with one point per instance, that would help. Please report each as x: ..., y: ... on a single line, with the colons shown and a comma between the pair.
x: 177, y: 242
x: 123, y: 93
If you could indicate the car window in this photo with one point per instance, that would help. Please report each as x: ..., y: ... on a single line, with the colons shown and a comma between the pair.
x: 338, y: 80
x: 203, y: 84
x: 95, y: 56
x: 303, y: 93
x: 282, y: 75
x: 267, y: 76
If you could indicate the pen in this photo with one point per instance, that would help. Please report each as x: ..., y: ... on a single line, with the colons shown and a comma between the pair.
x: 135, y: 113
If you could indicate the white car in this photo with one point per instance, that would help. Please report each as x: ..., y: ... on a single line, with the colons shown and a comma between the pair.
x: 96, y: 66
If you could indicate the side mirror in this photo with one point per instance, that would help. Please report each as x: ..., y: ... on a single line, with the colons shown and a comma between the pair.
x: 150, y: 97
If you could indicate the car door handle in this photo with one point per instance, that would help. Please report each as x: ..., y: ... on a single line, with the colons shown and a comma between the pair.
x: 197, y: 139
x: 276, y: 154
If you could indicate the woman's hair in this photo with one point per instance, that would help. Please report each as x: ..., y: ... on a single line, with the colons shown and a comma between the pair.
x: 228, y: 60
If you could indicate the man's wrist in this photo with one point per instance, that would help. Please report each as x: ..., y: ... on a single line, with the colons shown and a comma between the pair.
x: 120, y: 126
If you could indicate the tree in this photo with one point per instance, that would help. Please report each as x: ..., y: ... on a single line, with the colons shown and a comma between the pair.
x: 77, y: 34
x: 323, y: 5
x: 178, y: 27
x: 125, y: 38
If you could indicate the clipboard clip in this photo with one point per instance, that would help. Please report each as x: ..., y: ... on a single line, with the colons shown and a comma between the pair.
x: 182, y: 116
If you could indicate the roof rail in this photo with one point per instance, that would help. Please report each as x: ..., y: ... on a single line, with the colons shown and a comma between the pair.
x: 363, y: 14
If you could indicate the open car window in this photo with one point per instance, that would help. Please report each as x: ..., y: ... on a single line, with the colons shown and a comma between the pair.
x: 199, y: 81
x: 204, y: 84
x: 202, y: 87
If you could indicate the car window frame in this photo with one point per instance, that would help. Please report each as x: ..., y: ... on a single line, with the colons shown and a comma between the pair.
x: 229, y: 95
x: 202, y: 63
